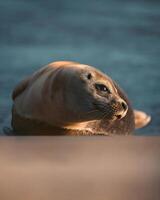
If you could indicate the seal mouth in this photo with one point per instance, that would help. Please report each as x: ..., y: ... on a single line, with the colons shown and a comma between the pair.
x: 119, y: 117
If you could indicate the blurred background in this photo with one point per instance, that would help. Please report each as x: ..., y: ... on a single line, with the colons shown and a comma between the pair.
x: 121, y: 38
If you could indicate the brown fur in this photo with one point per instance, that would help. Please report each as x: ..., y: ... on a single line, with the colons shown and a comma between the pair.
x: 44, y: 103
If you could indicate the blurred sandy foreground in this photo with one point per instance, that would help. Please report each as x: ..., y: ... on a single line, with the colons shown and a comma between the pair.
x: 73, y: 168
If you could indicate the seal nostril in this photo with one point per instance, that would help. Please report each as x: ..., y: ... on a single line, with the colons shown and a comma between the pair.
x: 124, y: 106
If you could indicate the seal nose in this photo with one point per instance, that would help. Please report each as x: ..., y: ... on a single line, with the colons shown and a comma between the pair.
x: 124, y: 105
x: 123, y: 112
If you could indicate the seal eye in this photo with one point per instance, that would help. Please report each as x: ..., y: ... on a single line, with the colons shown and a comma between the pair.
x: 89, y: 76
x: 102, y: 88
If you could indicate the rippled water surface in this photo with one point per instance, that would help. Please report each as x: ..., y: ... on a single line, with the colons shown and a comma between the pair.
x: 122, y: 38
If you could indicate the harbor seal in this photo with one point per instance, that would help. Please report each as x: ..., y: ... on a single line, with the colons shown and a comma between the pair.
x: 69, y: 98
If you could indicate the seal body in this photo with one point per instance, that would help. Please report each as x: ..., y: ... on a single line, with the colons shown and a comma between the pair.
x: 69, y: 98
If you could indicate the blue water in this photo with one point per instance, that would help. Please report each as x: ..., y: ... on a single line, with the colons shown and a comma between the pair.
x: 122, y: 38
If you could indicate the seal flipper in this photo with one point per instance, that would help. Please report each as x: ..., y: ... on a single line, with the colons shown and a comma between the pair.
x: 141, y: 119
